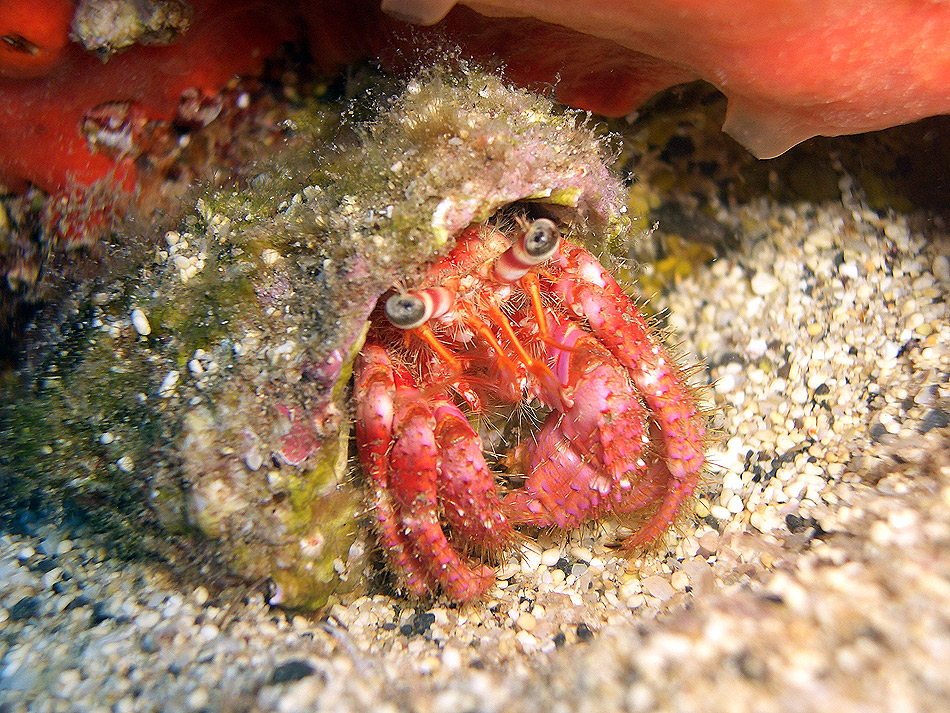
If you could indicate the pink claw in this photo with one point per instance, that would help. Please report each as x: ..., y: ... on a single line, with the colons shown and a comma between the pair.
x: 589, y: 290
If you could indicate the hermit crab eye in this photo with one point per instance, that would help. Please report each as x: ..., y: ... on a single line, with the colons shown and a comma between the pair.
x: 538, y: 244
x: 541, y: 240
x: 408, y: 310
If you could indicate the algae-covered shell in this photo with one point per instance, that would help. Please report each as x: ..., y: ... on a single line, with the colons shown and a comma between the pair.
x: 197, y: 403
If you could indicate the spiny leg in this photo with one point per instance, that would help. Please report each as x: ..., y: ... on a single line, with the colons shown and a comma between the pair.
x: 591, y: 292
x: 563, y: 489
x: 398, y: 451
x: 414, y: 474
x: 604, y: 416
x: 589, y: 456
x: 374, y: 394
x: 467, y: 490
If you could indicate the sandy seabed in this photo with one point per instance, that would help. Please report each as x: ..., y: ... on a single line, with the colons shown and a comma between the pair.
x: 815, y: 576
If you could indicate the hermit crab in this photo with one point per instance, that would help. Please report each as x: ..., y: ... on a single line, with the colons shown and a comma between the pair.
x: 415, y: 267
x: 501, y: 320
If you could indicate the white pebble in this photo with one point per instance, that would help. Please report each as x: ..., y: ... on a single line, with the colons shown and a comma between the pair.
x: 725, y: 384
x: 526, y: 622
x: 201, y: 595
x: 815, y: 380
x: 530, y: 560
x: 630, y: 588
x: 764, y: 284
x: 941, y: 269
x: 451, y: 659
x: 799, y: 395
x: 898, y: 233
x: 140, y: 322
x: 784, y: 442
x: 890, y: 350
x: 756, y: 348
x: 732, y: 481
x: 582, y: 553
x: 253, y: 459
x: 848, y: 270
x: 167, y: 387
x: 197, y: 699
x: 679, y: 581
x: 550, y: 557
x: 527, y: 642
x: 818, y: 240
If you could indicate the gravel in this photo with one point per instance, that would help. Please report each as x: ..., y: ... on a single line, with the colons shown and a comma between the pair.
x: 815, y: 575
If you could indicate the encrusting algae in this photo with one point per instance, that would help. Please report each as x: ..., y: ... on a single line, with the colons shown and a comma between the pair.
x: 196, y: 405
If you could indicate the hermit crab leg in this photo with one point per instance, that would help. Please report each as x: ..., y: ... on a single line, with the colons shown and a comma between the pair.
x: 413, y: 480
x: 397, y: 430
x: 375, y: 389
x: 606, y: 418
x: 564, y: 488
x: 589, y: 291
x: 467, y: 487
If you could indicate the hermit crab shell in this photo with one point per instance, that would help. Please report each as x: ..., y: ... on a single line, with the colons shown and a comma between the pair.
x: 197, y: 404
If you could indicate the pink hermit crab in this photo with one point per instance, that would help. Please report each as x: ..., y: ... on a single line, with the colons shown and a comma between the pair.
x: 504, y: 320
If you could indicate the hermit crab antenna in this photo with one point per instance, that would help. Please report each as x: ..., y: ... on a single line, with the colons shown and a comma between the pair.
x: 408, y: 310
x: 539, y: 243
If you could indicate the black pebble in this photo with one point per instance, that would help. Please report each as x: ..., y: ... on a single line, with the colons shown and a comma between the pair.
x: 751, y: 666
x: 877, y: 430
x: 292, y: 671
x: 100, y: 614
x: 934, y: 418
x: 44, y: 565
x: 80, y: 600
x: 732, y: 358
x: 584, y: 633
x: 794, y: 523
x: 419, y: 625
x: 26, y: 608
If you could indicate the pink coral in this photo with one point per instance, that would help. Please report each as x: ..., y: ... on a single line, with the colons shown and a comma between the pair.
x: 48, y: 85
x: 790, y: 68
